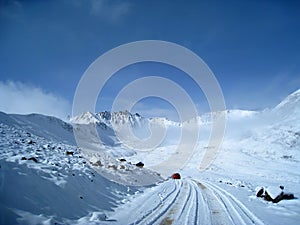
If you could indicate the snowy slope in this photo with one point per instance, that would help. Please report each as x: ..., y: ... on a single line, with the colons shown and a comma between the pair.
x: 48, y: 127
x: 47, y: 181
x: 290, y: 106
x: 41, y: 184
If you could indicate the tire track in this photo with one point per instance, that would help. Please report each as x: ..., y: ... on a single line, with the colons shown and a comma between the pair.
x: 185, y: 201
x: 202, y: 212
x: 189, y: 208
x: 217, y: 210
x: 225, y: 208
x: 180, y: 210
x: 161, y: 209
x: 146, y: 205
x: 238, y: 207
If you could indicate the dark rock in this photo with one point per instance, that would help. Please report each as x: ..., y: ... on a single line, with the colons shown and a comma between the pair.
x: 140, y: 164
x: 23, y: 158
x: 69, y: 153
x: 33, y: 159
x: 267, y: 197
x: 98, y: 163
x: 122, y: 160
x: 282, y: 196
x: 288, y: 196
x: 122, y: 167
x: 112, y: 167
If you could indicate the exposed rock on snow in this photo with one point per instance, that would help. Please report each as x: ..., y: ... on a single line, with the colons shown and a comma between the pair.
x: 40, y: 184
x: 273, y: 194
x: 140, y: 164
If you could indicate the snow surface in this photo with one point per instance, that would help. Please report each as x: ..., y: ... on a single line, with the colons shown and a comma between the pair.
x: 260, y: 149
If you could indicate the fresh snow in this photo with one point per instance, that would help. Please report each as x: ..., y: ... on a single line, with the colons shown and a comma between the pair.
x: 59, y: 188
x: 46, y: 179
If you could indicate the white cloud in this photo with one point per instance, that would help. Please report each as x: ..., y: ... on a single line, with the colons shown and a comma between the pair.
x: 17, y: 97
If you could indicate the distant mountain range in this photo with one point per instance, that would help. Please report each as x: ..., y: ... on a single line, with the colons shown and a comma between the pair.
x: 284, y: 114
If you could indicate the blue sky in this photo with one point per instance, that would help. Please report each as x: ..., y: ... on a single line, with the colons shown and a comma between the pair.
x: 252, y: 47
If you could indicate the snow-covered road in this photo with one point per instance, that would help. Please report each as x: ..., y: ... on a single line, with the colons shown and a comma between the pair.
x: 185, y: 201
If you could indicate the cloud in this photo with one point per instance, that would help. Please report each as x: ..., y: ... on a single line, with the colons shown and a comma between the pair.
x: 17, y: 97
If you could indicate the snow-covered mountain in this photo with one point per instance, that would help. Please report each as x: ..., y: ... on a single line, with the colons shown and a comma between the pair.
x: 114, y: 129
x: 49, y: 127
x: 290, y: 106
x: 107, y: 124
x: 45, y: 178
x: 108, y: 118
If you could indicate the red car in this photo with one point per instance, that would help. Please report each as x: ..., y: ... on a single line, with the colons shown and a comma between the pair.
x: 176, y: 176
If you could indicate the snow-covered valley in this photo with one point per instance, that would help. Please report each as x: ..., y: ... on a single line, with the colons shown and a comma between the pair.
x: 45, y: 178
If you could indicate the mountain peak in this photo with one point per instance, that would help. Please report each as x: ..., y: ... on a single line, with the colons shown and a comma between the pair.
x: 292, y: 100
x: 84, y: 118
x: 107, y: 118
